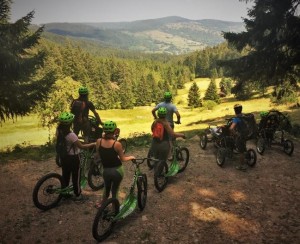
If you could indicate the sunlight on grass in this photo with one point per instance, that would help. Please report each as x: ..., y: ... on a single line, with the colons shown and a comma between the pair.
x: 139, y: 120
x: 25, y: 130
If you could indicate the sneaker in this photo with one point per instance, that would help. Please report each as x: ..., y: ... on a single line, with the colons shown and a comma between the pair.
x: 80, y: 198
x: 241, y: 167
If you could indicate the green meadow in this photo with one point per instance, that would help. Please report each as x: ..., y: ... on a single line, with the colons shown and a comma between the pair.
x: 27, y: 130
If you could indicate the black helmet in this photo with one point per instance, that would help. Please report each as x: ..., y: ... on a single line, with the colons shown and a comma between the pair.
x: 238, y: 108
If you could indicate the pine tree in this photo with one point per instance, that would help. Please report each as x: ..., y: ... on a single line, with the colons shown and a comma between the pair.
x: 194, y: 96
x: 126, y: 95
x: 18, y: 62
x: 143, y: 93
x: 154, y: 88
x: 272, y: 38
x: 225, y: 86
x: 212, y: 92
x: 202, y: 64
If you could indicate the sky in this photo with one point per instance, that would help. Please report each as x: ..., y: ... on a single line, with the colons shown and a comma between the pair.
x: 47, y: 11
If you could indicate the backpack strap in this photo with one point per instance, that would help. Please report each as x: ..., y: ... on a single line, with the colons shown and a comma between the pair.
x: 72, y: 145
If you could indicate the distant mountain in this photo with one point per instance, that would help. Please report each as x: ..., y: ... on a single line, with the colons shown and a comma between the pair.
x: 174, y: 35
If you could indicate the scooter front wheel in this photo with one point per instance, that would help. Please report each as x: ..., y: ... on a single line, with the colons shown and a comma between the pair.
x: 160, y: 178
x: 105, y: 219
x: 95, y: 176
x: 150, y: 162
x: 142, y: 186
x: 183, y: 157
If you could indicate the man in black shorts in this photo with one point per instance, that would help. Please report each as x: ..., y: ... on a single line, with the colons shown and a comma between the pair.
x: 80, y: 107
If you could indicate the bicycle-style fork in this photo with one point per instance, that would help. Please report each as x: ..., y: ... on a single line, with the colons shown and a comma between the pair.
x: 130, y: 202
x: 110, y: 212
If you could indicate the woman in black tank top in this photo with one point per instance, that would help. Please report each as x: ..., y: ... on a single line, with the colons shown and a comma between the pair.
x: 111, y: 153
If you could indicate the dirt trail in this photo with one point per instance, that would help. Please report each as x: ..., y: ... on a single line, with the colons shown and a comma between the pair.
x: 204, y: 204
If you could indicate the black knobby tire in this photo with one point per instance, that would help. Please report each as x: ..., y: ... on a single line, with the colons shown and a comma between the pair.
x: 261, y: 146
x: 150, y: 162
x: 160, y: 178
x: 183, y: 157
x: 142, y: 187
x: 123, y: 141
x: 288, y: 147
x: 203, y: 140
x: 46, y: 191
x: 57, y: 160
x: 251, y: 157
x: 95, y: 176
x: 104, y: 220
x: 221, y: 156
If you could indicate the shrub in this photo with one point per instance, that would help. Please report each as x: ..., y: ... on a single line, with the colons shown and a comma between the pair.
x: 209, y: 104
x: 138, y: 139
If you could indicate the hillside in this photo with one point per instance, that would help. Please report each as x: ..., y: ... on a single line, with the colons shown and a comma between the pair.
x: 174, y: 35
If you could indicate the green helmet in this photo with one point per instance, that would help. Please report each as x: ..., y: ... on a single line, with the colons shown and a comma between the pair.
x: 66, y: 118
x: 168, y: 95
x: 162, y: 112
x: 263, y: 113
x: 83, y: 90
x: 109, y: 126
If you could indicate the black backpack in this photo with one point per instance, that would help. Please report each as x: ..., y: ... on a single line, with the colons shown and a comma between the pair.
x: 275, y: 120
x: 248, y: 127
x: 61, y: 147
x: 77, y: 109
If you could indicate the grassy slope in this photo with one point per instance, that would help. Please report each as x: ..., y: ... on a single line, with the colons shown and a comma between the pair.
x: 138, y: 120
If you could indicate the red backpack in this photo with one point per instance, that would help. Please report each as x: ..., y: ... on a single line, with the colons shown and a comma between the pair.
x: 157, y: 130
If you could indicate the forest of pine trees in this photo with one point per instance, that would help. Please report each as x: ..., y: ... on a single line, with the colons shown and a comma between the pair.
x: 37, y: 68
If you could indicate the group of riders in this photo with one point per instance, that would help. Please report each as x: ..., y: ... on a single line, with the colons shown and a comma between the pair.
x: 107, y: 147
x: 110, y: 150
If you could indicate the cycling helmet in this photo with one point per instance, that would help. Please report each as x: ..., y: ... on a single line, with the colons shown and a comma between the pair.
x: 66, y: 118
x: 162, y: 112
x: 83, y: 90
x: 263, y: 113
x: 109, y: 126
x: 168, y: 95
x: 238, y: 108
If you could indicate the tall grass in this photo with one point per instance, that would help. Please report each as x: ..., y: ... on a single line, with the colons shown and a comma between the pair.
x: 26, y: 130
